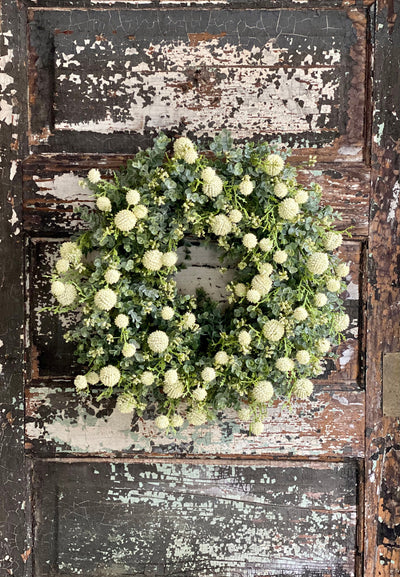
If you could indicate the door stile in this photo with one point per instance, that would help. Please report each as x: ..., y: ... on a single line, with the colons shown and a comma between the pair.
x: 14, y: 547
x: 382, y: 465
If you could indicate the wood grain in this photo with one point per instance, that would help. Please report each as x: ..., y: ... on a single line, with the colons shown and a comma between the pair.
x: 117, y: 77
x: 382, y: 497
x: 14, y: 544
x: 57, y: 423
x: 276, y: 519
x: 51, y: 190
x: 110, y: 4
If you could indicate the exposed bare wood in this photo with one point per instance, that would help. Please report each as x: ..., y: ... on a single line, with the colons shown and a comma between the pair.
x: 51, y: 190
x: 330, y: 425
x: 382, y: 497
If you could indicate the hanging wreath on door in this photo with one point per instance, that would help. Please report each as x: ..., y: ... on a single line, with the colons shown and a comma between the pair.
x: 142, y: 340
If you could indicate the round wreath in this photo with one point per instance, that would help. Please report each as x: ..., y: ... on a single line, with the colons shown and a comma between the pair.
x: 142, y: 340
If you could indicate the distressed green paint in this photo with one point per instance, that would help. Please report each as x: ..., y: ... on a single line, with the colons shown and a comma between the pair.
x: 379, y: 133
x: 153, y: 519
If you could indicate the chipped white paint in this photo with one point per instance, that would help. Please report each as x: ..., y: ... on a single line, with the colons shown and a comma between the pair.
x: 14, y: 221
x: 191, y: 2
x: 353, y: 331
x: 285, y: 430
x: 66, y: 60
x: 63, y: 187
x: 346, y: 356
x: 6, y: 81
x: 259, y: 110
x: 110, y: 2
x: 379, y: 130
x: 241, y: 90
x: 211, y: 53
x: 350, y: 150
x: 394, y: 204
x: 333, y: 56
x: 13, y: 169
x: 353, y: 290
x: 88, y: 434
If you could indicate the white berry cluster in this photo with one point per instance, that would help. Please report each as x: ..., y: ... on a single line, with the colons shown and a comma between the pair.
x: 221, y: 225
x: 65, y: 293
x: 273, y: 330
x: 105, y: 299
x: 143, y: 340
x: 154, y: 259
x: 212, y: 183
x: 184, y: 149
x: 158, y: 341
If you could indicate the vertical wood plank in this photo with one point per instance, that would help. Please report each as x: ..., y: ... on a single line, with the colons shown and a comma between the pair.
x: 382, y: 510
x: 14, y: 551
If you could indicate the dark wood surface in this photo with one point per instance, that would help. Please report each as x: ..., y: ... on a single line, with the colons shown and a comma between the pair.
x: 154, y: 519
x: 382, y: 465
x: 107, y: 81
x: 292, y: 4
x: 14, y: 547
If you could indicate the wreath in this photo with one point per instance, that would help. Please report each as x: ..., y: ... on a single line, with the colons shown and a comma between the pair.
x: 139, y: 338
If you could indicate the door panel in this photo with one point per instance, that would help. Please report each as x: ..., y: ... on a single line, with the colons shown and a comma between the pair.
x: 110, y: 519
x: 51, y: 357
x: 255, y: 72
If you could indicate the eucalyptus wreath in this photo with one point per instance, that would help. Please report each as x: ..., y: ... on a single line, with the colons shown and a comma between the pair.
x: 139, y: 338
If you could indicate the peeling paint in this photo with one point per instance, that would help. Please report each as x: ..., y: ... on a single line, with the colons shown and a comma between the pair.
x: 352, y: 290
x: 14, y: 220
x: 7, y: 114
x: 78, y: 428
x: 204, y: 110
x: 13, y: 169
x: 62, y: 187
x: 346, y: 357
x: 394, y: 204
x: 179, y: 509
x: 264, y: 73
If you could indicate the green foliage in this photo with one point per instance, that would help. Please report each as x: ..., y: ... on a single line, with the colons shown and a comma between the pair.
x: 171, y: 184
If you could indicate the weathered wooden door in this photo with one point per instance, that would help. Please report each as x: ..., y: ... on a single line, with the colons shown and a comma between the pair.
x: 86, y: 82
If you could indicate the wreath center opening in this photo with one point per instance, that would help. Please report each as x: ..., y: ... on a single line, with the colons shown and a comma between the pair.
x: 200, y: 269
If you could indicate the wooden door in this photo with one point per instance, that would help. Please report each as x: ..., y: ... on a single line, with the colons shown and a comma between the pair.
x: 86, y: 491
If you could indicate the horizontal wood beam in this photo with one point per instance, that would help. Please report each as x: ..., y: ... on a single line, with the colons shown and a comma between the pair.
x: 51, y: 190
x: 329, y: 425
